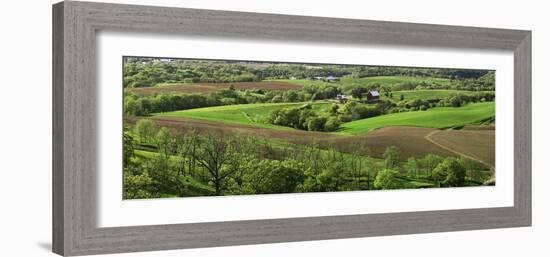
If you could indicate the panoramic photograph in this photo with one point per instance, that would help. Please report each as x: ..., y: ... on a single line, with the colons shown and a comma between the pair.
x: 198, y: 127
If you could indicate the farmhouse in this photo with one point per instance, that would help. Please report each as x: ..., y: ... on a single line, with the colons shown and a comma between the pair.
x: 342, y: 98
x: 327, y: 79
x: 331, y: 78
x: 373, y: 96
x: 163, y: 60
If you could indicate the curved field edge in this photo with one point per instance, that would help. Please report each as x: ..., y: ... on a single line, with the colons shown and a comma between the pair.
x: 440, y: 118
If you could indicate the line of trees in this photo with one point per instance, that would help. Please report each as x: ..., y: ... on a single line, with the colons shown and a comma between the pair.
x: 145, y: 105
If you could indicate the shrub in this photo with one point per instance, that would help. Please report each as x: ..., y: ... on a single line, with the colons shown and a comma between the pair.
x: 316, y: 123
x: 388, y: 179
x: 277, y: 99
x: 332, y: 124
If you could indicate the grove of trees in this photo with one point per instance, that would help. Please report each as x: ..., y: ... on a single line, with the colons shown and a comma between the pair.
x: 159, y: 162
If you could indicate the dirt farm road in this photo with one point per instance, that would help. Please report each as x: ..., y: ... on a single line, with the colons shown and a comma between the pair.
x: 429, y: 138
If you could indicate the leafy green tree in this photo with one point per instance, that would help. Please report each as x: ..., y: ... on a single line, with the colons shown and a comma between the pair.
x: 358, y: 92
x: 138, y: 186
x: 145, y: 129
x: 450, y: 173
x: 316, y: 123
x: 429, y: 162
x: 364, y: 111
x: 128, y: 145
x: 164, y: 140
x: 349, y: 107
x: 333, y: 109
x: 297, y: 117
x: 291, y: 96
x: 333, y: 178
x: 412, y: 167
x: 131, y: 105
x: 391, y: 157
x: 272, y: 176
x: 332, y: 124
x: 388, y: 179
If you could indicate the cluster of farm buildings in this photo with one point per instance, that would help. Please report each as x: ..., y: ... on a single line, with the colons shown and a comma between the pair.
x: 372, y: 97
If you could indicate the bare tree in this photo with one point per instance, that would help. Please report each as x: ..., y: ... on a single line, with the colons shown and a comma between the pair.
x: 215, y: 153
x: 192, y: 143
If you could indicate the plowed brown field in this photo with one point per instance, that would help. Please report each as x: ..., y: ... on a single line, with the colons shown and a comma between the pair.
x: 477, y: 144
x: 207, y: 88
x: 411, y: 141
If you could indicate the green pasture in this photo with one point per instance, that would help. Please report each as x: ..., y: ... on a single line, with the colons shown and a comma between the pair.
x: 245, y: 114
x: 391, y: 80
x: 426, y: 94
x: 440, y: 117
x: 349, y: 82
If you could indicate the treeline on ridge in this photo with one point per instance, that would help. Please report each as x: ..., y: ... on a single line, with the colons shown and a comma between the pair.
x: 147, y: 72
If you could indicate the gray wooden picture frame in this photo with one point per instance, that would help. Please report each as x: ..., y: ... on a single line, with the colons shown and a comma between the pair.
x: 74, y: 126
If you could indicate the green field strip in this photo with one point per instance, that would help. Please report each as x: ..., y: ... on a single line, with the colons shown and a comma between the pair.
x: 429, y: 94
x: 242, y: 114
x: 440, y: 117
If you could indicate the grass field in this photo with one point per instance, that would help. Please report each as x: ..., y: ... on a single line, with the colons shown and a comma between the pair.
x: 245, y: 114
x: 391, y: 80
x: 347, y: 82
x: 441, y: 117
x: 255, y: 114
x: 426, y: 94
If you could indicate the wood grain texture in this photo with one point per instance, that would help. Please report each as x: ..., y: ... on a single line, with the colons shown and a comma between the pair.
x: 74, y: 124
x: 522, y: 129
x: 58, y: 192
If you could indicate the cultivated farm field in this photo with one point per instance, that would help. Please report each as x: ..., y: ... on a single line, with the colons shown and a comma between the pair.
x: 208, y: 88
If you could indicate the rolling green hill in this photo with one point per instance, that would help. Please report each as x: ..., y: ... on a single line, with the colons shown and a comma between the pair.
x: 441, y: 117
x: 255, y: 114
x: 246, y: 114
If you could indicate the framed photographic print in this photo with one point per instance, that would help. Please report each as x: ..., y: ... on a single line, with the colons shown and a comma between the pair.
x: 183, y: 128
